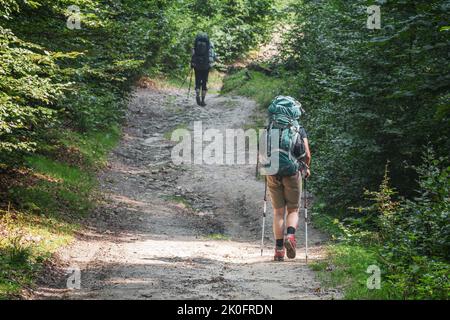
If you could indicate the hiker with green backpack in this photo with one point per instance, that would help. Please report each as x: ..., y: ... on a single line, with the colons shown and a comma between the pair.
x: 203, y: 58
x: 284, y: 161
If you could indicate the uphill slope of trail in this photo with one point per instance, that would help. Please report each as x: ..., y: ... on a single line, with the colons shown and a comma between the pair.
x: 164, y: 231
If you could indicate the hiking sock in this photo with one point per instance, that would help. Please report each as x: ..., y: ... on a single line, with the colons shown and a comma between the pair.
x: 290, y: 230
x: 197, y: 96
x: 279, y: 243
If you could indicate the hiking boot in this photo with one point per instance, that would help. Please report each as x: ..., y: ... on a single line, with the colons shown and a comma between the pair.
x: 279, y: 254
x: 203, y: 99
x: 197, y: 97
x: 290, y: 244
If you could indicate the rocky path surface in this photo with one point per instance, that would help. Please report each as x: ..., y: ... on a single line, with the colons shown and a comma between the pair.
x: 180, y: 232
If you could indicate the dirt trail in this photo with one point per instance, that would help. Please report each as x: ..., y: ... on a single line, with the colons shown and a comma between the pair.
x: 144, y: 243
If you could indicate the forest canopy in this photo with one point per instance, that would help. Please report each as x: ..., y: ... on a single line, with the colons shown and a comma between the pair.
x: 53, y: 76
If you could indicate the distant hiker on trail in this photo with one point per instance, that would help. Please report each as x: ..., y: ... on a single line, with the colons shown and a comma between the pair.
x: 203, y: 58
x: 284, y: 178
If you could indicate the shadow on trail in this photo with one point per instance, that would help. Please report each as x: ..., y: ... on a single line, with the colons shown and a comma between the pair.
x: 197, y: 277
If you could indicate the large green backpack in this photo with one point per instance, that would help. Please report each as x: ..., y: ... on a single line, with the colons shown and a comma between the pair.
x: 284, y: 113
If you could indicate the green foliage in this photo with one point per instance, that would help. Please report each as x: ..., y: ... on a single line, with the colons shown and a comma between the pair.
x: 417, y: 227
x: 217, y: 236
x: 328, y: 224
x: 51, y: 75
x: 66, y: 189
x: 14, y: 260
x: 372, y: 95
x: 7, y: 7
x: 234, y: 26
x: 255, y: 85
x: 244, y: 26
x: 411, y: 237
x: 48, y: 207
x: 423, y: 279
x: 28, y: 90
x: 93, y: 146
x: 346, y: 268
x: 26, y: 242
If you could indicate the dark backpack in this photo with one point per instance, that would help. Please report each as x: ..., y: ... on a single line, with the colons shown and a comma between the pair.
x: 201, y: 52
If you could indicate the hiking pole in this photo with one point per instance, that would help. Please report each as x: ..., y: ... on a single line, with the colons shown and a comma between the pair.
x: 264, y: 215
x: 306, y: 221
x: 257, y: 158
x: 184, y: 80
x: 190, y: 83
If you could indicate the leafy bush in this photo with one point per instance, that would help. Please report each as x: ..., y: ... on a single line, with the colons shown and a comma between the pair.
x: 28, y: 92
x: 412, y: 237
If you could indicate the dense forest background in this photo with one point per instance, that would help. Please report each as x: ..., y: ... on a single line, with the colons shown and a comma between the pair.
x: 377, y: 104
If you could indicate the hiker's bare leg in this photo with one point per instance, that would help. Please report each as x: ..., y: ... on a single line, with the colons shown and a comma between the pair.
x: 278, y: 220
x: 292, y: 218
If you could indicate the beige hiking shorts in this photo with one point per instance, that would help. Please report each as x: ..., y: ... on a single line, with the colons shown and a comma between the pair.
x: 285, y: 191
